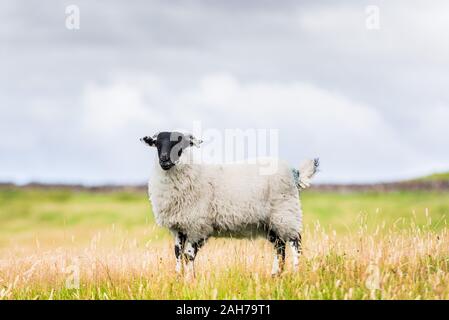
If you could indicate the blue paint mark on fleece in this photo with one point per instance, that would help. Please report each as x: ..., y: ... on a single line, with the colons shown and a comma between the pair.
x: 295, y: 173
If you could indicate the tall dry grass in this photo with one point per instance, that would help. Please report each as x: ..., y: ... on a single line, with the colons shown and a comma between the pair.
x: 374, y: 261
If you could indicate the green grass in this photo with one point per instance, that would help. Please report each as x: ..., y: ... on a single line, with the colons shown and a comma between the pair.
x: 25, y: 213
x: 122, y: 254
x: 443, y: 176
x: 340, y: 211
x: 49, y: 215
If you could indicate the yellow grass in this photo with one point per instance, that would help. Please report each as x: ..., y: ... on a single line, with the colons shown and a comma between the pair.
x: 410, y: 262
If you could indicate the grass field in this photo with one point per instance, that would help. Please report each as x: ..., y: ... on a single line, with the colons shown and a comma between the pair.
x: 441, y: 176
x: 60, y: 244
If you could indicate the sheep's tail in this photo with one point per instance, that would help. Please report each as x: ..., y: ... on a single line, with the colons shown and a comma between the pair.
x: 304, y: 175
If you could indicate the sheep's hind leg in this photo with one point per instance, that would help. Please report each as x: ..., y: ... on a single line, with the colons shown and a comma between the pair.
x: 296, y: 247
x: 180, y: 240
x: 279, y: 256
x: 190, y: 252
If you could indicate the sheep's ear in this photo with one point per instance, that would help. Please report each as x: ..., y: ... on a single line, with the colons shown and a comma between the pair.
x: 148, y: 140
x: 194, y: 141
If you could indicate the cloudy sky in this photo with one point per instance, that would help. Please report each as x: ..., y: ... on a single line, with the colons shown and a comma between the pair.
x: 372, y: 103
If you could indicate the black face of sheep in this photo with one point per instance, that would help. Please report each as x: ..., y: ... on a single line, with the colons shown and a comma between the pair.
x: 170, y: 146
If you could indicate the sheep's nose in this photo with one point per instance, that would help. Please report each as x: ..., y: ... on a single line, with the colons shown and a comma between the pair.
x: 164, y: 157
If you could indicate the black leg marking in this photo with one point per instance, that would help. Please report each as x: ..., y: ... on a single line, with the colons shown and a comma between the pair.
x: 180, y: 241
x: 189, y: 254
x: 279, y: 246
x: 280, y: 249
x: 296, y: 246
x: 191, y: 249
x: 278, y: 243
x: 297, y: 243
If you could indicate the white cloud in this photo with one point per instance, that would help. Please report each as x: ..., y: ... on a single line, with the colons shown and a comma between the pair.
x: 123, y: 103
x: 114, y: 107
x: 372, y: 104
x: 312, y: 121
x: 415, y: 30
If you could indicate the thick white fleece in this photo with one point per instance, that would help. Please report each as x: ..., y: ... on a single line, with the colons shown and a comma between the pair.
x: 221, y: 200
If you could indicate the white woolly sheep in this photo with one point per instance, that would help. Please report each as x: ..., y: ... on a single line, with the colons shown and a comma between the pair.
x: 197, y: 201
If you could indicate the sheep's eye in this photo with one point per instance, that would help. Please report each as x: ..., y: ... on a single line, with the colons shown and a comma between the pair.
x: 179, y: 152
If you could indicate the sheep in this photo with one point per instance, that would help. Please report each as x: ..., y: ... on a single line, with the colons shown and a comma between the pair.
x: 197, y: 201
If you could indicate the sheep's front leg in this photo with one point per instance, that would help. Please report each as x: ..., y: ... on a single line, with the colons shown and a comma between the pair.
x: 296, y: 247
x: 279, y: 256
x: 180, y: 240
x: 190, y: 252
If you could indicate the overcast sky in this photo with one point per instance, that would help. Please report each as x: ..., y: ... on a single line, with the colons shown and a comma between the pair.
x: 373, y: 104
